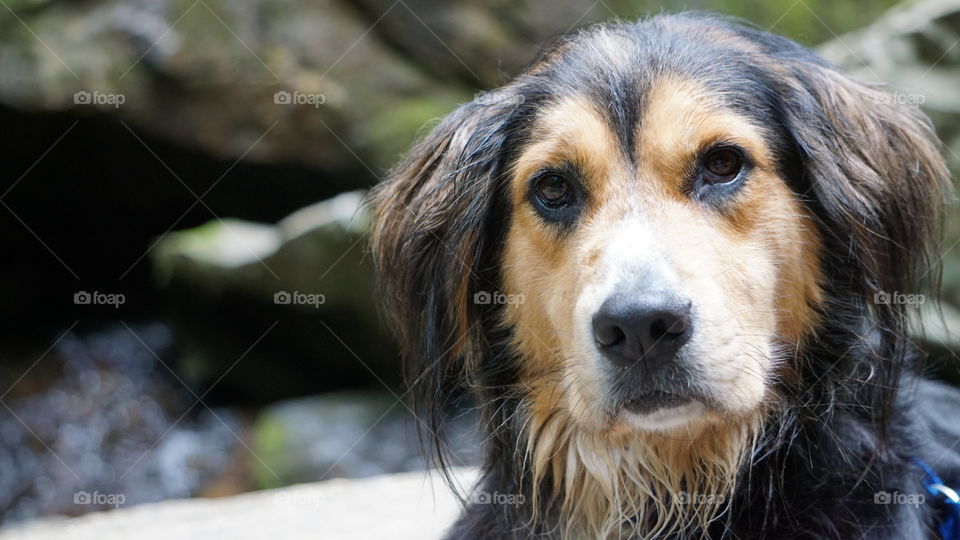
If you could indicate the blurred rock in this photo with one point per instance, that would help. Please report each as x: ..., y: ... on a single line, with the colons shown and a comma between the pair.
x: 301, y: 293
x: 347, y: 434
x: 411, y: 506
x: 476, y: 43
x: 941, y: 323
x: 914, y: 51
x: 939, y: 336
x: 316, y: 249
x: 207, y: 75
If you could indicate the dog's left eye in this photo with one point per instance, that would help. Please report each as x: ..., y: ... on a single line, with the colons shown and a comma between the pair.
x: 719, y: 173
x: 722, y: 165
x: 554, y: 191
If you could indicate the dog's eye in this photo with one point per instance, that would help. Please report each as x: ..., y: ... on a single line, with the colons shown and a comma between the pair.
x: 720, y: 173
x: 722, y: 165
x: 554, y: 191
x: 557, y: 195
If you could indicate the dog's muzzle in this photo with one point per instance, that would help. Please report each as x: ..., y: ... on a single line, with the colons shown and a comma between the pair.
x: 640, y: 333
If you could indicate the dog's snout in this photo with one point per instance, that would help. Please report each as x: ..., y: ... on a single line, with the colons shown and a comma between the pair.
x: 651, y: 328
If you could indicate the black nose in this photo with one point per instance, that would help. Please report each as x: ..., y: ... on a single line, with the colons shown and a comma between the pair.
x: 647, y: 327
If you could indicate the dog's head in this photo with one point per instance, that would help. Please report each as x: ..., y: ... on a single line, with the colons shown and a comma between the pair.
x: 641, y: 235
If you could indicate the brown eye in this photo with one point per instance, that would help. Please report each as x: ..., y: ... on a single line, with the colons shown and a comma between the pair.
x: 722, y: 165
x: 554, y: 191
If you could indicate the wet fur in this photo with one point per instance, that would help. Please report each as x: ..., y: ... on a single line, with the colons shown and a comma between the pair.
x: 844, y: 415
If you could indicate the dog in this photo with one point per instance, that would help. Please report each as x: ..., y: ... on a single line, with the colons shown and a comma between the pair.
x: 667, y: 264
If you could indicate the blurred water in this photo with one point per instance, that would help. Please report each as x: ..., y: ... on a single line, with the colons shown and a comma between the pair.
x: 101, y: 422
x: 113, y: 425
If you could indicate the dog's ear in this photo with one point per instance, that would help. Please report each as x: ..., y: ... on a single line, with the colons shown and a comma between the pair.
x: 872, y: 164
x: 435, y: 225
x: 868, y: 165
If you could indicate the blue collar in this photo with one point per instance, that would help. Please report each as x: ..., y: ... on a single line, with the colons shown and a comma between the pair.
x: 949, y: 525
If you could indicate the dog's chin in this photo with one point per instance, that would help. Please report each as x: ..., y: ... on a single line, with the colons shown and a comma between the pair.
x: 672, y: 414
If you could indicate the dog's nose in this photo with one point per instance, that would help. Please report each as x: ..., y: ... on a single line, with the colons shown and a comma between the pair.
x: 651, y: 328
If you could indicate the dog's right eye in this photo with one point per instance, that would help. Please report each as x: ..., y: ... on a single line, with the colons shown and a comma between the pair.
x: 554, y: 191
x: 557, y: 196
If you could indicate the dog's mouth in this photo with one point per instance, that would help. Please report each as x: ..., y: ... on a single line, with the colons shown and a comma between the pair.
x: 653, y: 401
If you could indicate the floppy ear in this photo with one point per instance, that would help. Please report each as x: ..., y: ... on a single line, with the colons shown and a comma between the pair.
x: 871, y: 171
x: 435, y: 230
x: 873, y: 165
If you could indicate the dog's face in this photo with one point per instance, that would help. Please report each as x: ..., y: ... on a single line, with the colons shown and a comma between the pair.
x: 697, y: 217
x: 664, y: 261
